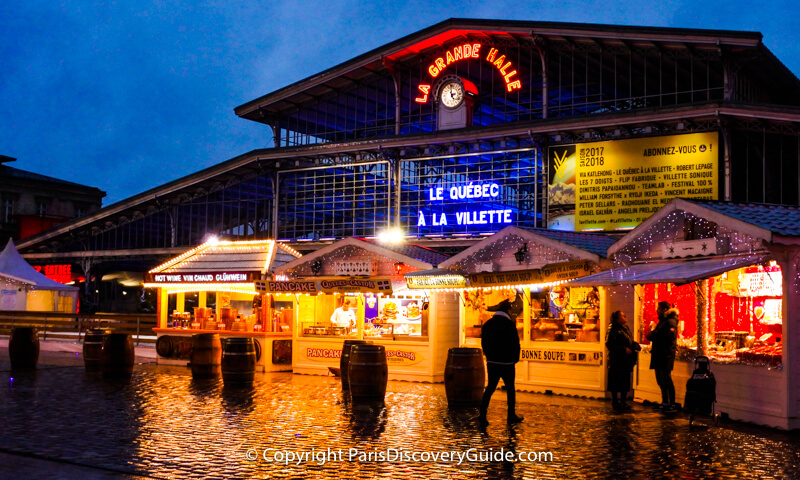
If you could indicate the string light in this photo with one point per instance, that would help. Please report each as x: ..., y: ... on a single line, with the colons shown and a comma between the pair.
x: 222, y: 247
x: 244, y: 288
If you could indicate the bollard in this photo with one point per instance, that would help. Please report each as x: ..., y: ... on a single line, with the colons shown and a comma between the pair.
x: 23, y: 348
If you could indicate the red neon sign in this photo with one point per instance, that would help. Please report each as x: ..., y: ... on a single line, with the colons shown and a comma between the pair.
x: 59, y: 273
x: 470, y: 50
x: 503, y: 67
x: 457, y: 53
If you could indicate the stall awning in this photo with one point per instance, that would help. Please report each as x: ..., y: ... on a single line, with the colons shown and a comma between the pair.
x: 673, y: 272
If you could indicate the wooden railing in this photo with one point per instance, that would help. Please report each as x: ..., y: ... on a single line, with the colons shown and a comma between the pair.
x: 74, y: 326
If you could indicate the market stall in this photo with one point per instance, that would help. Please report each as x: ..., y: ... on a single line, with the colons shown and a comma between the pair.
x: 730, y: 270
x: 354, y: 289
x: 212, y: 289
x: 561, y: 328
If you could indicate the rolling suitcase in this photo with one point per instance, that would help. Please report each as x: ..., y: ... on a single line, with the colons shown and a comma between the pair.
x: 701, y: 392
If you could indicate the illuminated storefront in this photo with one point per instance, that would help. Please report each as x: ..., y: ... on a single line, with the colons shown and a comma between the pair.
x: 213, y: 289
x: 731, y: 271
x: 416, y: 327
x: 561, y: 328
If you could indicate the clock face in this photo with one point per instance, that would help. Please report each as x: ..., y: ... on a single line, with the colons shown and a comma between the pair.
x: 452, y: 94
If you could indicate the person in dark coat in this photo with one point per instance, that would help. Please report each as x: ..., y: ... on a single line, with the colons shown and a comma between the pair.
x: 664, y: 338
x: 621, y: 360
x: 501, y: 347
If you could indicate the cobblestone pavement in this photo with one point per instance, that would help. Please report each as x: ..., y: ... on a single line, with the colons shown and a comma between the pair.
x: 60, y: 422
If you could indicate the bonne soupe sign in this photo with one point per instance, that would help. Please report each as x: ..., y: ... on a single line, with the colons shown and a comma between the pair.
x: 561, y: 356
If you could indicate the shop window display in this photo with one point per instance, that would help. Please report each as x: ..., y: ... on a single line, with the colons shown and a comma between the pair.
x: 478, y: 303
x: 393, y: 317
x: 743, y: 319
x: 565, y: 314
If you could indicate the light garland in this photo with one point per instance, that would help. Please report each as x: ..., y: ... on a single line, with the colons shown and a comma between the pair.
x: 244, y: 288
x: 180, y: 257
x: 221, y: 247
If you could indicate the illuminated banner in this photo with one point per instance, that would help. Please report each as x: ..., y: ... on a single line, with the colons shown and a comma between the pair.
x: 556, y: 272
x: 202, y: 277
x: 520, y: 277
x: 561, y: 356
x: 616, y: 185
x: 335, y: 285
x: 441, y: 281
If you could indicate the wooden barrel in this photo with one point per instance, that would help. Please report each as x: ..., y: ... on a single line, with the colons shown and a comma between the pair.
x: 116, y: 356
x: 206, y: 359
x: 23, y: 348
x: 464, y: 377
x: 238, y: 361
x: 164, y: 346
x: 368, y: 372
x: 344, y: 361
x: 92, y: 349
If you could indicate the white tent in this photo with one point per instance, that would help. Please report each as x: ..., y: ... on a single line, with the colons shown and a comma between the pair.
x: 23, y: 288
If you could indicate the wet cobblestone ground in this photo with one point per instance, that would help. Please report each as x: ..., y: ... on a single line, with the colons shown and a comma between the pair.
x: 60, y: 422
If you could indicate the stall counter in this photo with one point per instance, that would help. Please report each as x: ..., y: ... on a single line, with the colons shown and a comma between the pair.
x: 744, y: 392
x: 275, y: 347
x: 407, y: 360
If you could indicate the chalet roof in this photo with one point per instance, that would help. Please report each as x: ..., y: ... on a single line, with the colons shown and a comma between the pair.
x: 586, y: 246
x: 769, y: 222
x: 253, y: 256
x: 783, y: 220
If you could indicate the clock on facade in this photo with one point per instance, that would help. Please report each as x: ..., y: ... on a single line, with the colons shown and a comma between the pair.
x: 455, y: 99
x: 452, y: 94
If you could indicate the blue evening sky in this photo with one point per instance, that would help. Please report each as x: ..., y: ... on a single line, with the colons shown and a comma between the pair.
x: 128, y: 95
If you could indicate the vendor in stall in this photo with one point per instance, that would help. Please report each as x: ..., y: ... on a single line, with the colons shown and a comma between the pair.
x: 344, y: 316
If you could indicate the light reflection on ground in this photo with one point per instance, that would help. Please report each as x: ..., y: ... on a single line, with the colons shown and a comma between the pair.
x: 164, y: 424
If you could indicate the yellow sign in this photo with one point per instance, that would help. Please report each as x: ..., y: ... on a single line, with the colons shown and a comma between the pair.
x: 436, y: 281
x: 616, y: 185
x: 561, y: 356
x: 566, y: 271
x: 396, y: 356
x: 520, y: 277
x: 329, y: 285
x: 323, y: 354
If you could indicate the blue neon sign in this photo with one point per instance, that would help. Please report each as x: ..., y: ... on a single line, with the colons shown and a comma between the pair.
x: 462, y: 193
